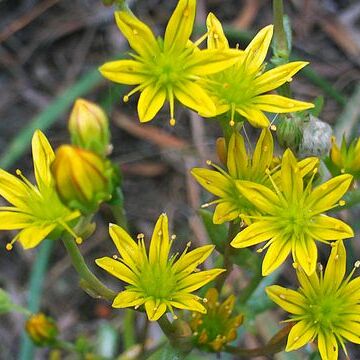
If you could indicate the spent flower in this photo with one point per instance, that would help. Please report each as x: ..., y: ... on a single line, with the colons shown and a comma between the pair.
x: 326, y: 306
x: 36, y: 210
x: 242, y: 87
x: 293, y: 217
x: 41, y: 329
x: 165, y: 69
x: 156, y: 280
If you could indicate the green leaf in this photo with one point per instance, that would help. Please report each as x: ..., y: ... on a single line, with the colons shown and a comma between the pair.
x: 319, y: 104
x: 6, y: 304
x: 167, y: 352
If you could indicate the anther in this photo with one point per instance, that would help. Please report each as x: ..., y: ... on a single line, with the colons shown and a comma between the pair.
x: 173, y: 237
x: 295, y: 265
x: 9, y: 247
x: 342, y: 202
x: 208, y: 162
x: 205, y: 300
x: 126, y: 98
x: 273, y: 127
x: 231, y: 123
x: 175, y: 317
x: 172, y: 122
x: 357, y: 264
x: 115, y: 257
x: 188, y: 244
x: 205, y: 205
x: 140, y: 236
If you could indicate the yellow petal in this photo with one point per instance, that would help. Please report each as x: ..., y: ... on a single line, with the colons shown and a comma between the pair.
x: 257, y: 49
x: 352, y: 290
x: 43, y: 156
x: 180, y: 25
x: 263, y: 153
x: 225, y: 211
x: 279, y: 104
x: 154, y: 311
x: 326, y: 195
x: 328, y: 346
x: 160, y: 242
x: 11, y: 220
x: 259, y: 195
x: 310, y: 285
x: 213, y: 181
x: 291, y: 179
x: 128, y: 298
x: 196, y: 281
x: 129, y: 72
x: 306, y: 253
x: 300, y: 334
x: 125, y: 245
x: 307, y: 165
x: 327, y: 228
x: 254, y: 234
x: 151, y: 100
x: 138, y: 34
x: 117, y: 269
x: 276, y: 254
x: 237, y: 159
x: 290, y: 300
x: 351, y: 332
x: 216, y: 38
x: 187, y: 302
x: 194, y: 97
x: 255, y: 117
x: 211, y: 61
x: 276, y: 77
x: 32, y: 236
x: 335, y: 268
x: 335, y: 154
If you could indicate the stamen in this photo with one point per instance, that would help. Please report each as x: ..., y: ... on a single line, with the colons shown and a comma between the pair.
x: 170, y: 92
x: 232, y: 121
x: 273, y: 127
x: 23, y: 178
x: 77, y: 238
x: 132, y: 92
x: 9, y: 246
x: 201, y: 39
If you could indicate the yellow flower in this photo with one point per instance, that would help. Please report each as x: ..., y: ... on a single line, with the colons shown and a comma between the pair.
x: 325, y: 307
x: 165, y: 69
x: 241, y: 166
x: 41, y: 329
x: 241, y: 87
x: 218, y: 326
x: 37, y: 210
x: 157, y: 281
x: 346, y: 159
x: 293, y: 217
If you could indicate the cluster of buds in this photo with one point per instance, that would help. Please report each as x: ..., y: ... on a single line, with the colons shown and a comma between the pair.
x: 41, y: 329
x: 218, y: 326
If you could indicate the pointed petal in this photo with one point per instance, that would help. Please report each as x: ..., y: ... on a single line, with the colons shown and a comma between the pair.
x: 276, y: 254
x: 308, y: 165
x: 180, y: 25
x: 193, y: 96
x: 32, y: 236
x: 153, y: 311
x: 216, y: 38
x: 279, y: 104
x: 207, y: 62
x: 128, y: 298
x: 255, y: 117
x: 352, y: 290
x: 196, y: 281
x: 160, y: 243
x: 328, y: 346
x: 254, y: 234
x: 291, y: 179
x: 190, y: 261
x: 213, y: 181
x: 117, y: 269
x: 138, y: 34
x: 259, y: 195
x: 187, y: 302
x: 12, y: 220
x: 125, y: 245
x: 129, y: 72
x: 291, y: 301
x: 263, y: 153
x: 43, y: 156
x: 309, y: 285
x: 225, y: 211
x: 276, y: 77
x: 326, y: 195
x: 328, y: 228
x: 300, y: 334
x: 257, y: 49
x: 151, y: 100
x: 335, y: 268
x: 305, y: 253
x: 237, y: 159
x: 351, y: 332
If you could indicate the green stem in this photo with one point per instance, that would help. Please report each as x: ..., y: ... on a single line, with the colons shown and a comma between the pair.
x: 37, y: 277
x: 129, y: 333
x: 85, y: 273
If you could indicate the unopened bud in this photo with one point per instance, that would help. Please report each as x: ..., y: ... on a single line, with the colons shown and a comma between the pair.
x: 221, y: 150
x: 41, y: 329
x: 289, y: 131
x: 89, y: 127
x: 82, y: 178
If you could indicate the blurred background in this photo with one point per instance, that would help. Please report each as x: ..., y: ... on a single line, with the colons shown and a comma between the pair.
x: 49, y: 54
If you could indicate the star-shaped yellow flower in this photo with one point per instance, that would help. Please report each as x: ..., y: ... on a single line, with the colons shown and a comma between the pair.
x: 325, y: 307
x: 241, y: 87
x: 169, y: 68
x: 293, y: 217
x: 37, y: 210
x: 157, y: 281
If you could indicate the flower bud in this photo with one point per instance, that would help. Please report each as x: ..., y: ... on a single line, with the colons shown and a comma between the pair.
x: 221, y: 150
x: 41, y: 329
x: 82, y: 178
x: 89, y: 127
x: 289, y: 131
